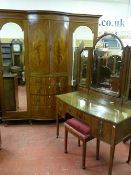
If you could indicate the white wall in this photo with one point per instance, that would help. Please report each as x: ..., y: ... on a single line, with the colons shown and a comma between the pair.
x: 113, y: 8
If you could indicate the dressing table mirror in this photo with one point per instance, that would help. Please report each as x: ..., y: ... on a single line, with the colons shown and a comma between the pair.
x: 107, y: 65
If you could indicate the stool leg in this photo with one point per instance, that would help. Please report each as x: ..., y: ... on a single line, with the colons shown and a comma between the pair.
x: 83, y: 154
x: 79, y: 144
x: 0, y: 140
x: 66, y: 139
x: 97, y: 149
x: 129, y: 156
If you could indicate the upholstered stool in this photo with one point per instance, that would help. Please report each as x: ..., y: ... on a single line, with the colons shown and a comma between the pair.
x: 82, y: 132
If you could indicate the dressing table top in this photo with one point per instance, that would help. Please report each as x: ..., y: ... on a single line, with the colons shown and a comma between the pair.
x: 96, y: 106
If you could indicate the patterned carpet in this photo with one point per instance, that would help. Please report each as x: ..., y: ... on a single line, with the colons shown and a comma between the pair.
x: 35, y: 150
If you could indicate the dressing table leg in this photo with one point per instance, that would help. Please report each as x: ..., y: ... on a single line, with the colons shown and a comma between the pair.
x: 112, y: 150
x: 97, y: 149
x: 129, y: 156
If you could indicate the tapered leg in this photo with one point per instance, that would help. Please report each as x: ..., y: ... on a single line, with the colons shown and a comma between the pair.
x: 0, y: 140
x: 83, y: 154
x: 129, y: 156
x: 79, y: 144
x: 97, y: 149
x: 112, y: 150
x: 57, y: 126
x: 66, y: 139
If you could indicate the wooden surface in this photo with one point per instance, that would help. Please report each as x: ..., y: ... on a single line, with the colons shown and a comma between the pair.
x: 43, y: 91
x: 48, y: 53
x: 110, y: 122
x: 50, y: 59
x: 39, y: 46
x: 10, y: 92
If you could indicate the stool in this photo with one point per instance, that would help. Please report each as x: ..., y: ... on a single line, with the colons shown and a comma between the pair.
x: 82, y: 132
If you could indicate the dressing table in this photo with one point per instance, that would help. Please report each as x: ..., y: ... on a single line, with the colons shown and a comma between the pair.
x: 99, y: 100
x: 109, y: 123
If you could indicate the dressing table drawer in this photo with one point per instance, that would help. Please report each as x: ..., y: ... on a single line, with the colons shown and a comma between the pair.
x: 101, y: 129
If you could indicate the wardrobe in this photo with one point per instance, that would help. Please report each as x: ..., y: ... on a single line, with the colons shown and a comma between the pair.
x: 48, y: 58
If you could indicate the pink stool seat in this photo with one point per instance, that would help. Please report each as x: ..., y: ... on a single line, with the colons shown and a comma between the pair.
x: 79, y: 126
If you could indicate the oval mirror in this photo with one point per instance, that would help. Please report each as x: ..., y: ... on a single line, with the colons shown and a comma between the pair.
x: 106, y: 65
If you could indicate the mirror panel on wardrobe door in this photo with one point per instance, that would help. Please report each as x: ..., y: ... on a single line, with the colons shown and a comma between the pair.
x: 13, y: 59
x: 82, y: 42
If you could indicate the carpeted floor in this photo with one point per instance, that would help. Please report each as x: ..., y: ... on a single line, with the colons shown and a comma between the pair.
x: 34, y: 150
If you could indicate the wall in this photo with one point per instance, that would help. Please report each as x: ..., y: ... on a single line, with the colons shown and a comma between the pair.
x: 112, y: 11
x: 77, y: 6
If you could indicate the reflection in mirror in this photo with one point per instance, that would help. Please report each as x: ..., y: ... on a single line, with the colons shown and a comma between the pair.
x: 107, y: 63
x: 82, y: 39
x: 12, y: 47
x: 83, y: 66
